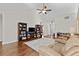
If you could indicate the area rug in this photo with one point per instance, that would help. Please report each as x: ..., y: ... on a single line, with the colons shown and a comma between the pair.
x: 35, y: 44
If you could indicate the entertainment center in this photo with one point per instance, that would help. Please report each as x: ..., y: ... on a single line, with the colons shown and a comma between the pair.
x: 31, y: 34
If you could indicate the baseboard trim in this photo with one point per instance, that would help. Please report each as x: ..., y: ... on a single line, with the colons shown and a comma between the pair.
x: 9, y: 42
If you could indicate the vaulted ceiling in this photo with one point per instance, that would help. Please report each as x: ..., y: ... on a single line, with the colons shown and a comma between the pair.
x: 57, y: 8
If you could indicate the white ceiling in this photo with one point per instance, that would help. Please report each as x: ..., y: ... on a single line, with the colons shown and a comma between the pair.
x: 57, y: 8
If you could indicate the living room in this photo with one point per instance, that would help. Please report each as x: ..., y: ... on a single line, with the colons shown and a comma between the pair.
x: 62, y: 18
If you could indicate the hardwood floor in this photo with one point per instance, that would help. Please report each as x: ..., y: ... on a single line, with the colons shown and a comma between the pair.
x: 17, y: 49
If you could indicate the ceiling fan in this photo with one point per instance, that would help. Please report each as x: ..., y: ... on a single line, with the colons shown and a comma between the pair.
x: 44, y: 9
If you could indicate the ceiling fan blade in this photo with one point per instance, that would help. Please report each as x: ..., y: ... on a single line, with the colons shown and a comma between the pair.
x: 49, y: 10
x: 39, y: 9
x: 40, y: 12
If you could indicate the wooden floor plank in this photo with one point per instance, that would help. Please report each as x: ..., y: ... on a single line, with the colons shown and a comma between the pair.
x: 17, y: 49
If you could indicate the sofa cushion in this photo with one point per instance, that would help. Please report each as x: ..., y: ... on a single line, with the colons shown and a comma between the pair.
x: 72, y: 51
x: 70, y: 44
x: 57, y: 47
x: 61, y: 40
x: 46, y: 51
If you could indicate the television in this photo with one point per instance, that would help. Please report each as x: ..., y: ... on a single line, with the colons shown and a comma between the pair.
x: 31, y: 29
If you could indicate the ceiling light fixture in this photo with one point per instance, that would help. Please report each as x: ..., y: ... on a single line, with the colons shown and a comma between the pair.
x: 44, y: 9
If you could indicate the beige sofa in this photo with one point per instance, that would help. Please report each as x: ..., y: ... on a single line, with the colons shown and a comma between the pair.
x: 69, y: 48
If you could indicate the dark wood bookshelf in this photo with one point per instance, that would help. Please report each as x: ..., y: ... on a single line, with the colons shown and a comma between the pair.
x: 22, y: 29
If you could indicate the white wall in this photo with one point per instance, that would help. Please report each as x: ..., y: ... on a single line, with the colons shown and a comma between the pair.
x: 12, y: 14
x: 0, y: 27
x: 65, y: 25
x: 61, y: 24
x: 78, y: 21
